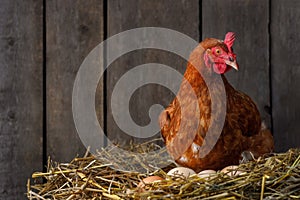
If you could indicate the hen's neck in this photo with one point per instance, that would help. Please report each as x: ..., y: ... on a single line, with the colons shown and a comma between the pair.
x: 193, y: 76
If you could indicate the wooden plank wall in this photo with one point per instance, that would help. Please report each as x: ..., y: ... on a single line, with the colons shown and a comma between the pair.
x: 285, y: 73
x: 267, y: 48
x: 21, y: 64
x: 124, y: 15
x: 73, y: 29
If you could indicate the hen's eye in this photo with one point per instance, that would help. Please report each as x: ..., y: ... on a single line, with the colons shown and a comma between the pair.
x: 218, y: 51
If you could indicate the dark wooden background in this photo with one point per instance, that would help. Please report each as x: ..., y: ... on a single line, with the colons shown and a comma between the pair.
x: 43, y: 43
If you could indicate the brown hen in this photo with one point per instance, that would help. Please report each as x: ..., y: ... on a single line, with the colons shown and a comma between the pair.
x: 203, y: 134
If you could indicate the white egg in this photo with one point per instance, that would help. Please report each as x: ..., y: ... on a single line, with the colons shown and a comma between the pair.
x: 231, y: 170
x: 181, y: 172
x: 207, y: 174
x: 149, y: 179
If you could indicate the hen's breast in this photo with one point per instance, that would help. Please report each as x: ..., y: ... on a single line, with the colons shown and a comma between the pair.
x: 184, y: 140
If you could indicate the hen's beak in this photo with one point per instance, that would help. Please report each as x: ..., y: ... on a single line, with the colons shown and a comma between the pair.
x: 233, y: 64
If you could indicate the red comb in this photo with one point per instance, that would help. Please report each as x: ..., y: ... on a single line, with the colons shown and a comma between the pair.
x: 229, y: 39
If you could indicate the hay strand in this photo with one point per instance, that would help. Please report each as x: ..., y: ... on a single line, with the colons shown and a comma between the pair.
x: 275, y: 176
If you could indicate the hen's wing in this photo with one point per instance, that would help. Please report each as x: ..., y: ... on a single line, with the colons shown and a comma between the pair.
x: 166, y: 118
x: 242, y: 112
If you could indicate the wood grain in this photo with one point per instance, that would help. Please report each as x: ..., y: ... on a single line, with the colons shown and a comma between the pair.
x: 74, y: 28
x: 285, y: 73
x: 179, y: 15
x: 20, y: 95
x: 249, y: 20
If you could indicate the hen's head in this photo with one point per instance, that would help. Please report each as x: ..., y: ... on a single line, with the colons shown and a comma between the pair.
x: 219, y: 54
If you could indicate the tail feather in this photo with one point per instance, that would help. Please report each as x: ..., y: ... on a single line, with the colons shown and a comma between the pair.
x: 262, y: 143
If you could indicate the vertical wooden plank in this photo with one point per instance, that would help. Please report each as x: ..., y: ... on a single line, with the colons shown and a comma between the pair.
x: 74, y: 28
x: 285, y: 72
x: 20, y: 95
x: 249, y: 20
x: 180, y: 15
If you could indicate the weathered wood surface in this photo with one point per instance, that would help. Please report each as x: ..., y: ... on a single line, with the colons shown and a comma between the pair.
x: 20, y: 95
x: 285, y: 73
x: 74, y: 28
x: 179, y: 15
x: 249, y: 20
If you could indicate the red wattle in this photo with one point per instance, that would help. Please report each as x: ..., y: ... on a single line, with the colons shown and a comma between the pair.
x: 220, y: 68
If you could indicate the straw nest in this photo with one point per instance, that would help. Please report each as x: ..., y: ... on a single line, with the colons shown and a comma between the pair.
x: 276, y: 176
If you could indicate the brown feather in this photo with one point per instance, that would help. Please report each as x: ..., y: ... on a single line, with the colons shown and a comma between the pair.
x: 241, y: 130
